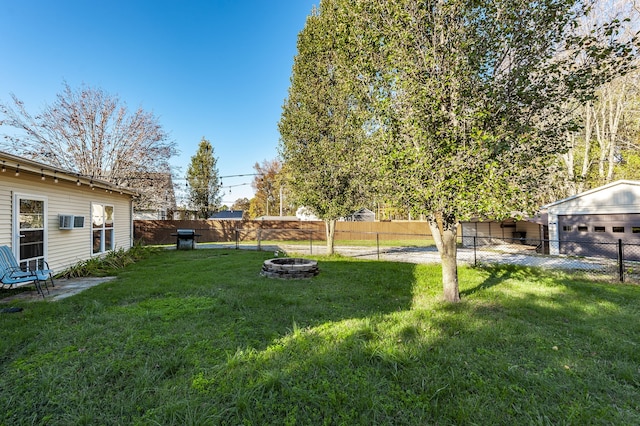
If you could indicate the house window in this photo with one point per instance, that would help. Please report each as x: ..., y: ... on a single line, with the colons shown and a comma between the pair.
x: 598, y: 229
x: 583, y: 228
x: 635, y: 229
x: 567, y: 228
x: 102, y: 224
x: 618, y: 229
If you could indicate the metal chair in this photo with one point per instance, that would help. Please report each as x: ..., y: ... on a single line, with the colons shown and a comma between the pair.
x: 11, y: 274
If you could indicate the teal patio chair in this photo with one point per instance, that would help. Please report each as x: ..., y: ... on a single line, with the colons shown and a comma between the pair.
x: 11, y: 274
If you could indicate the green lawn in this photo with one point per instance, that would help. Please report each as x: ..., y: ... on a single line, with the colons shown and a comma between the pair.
x: 198, y: 338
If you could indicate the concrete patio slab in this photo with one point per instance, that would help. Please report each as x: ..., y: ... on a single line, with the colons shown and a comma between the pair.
x: 64, y: 287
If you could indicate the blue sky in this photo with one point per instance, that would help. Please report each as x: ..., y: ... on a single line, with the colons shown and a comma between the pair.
x: 218, y: 68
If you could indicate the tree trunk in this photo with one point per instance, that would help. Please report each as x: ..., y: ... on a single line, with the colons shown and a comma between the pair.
x: 616, y: 108
x: 330, y: 227
x: 586, y: 160
x: 444, y: 232
x: 568, y: 159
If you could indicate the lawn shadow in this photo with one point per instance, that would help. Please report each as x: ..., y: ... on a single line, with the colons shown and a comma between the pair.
x: 499, y: 273
x: 467, y: 351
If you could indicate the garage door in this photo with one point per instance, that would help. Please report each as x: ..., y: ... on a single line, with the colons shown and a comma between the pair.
x: 598, y: 235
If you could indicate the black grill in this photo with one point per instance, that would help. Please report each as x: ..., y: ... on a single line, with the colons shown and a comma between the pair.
x: 185, y: 239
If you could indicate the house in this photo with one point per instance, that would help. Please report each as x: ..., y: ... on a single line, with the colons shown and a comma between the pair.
x: 589, y: 224
x: 362, y: 215
x: 53, y: 215
x: 156, y: 195
x: 227, y: 215
x: 305, y: 214
x: 278, y: 218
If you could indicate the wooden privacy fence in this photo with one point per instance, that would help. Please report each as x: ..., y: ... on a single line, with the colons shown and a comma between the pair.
x: 160, y: 231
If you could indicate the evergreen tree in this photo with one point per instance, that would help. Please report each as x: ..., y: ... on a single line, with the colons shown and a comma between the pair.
x: 204, y: 180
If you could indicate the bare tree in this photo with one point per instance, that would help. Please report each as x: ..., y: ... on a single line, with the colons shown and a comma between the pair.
x: 595, y: 151
x: 90, y: 132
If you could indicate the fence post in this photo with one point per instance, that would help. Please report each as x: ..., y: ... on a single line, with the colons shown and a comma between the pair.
x: 237, y: 238
x: 311, y: 242
x: 378, y: 244
x: 620, y: 261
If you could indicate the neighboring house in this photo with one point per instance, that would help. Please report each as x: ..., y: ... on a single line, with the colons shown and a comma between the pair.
x: 590, y: 223
x: 303, y: 213
x: 49, y: 214
x: 362, y: 215
x: 227, y: 215
x: 156, y: 200
x: 151, y: 214
x: 278, y: 218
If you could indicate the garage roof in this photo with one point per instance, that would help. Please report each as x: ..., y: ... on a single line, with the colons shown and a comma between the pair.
x: 622, y: 196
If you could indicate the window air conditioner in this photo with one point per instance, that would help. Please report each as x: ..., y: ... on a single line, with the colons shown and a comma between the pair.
x: 66, y: 221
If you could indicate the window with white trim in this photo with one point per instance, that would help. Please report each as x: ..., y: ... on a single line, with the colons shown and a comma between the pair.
x: 102, y: 233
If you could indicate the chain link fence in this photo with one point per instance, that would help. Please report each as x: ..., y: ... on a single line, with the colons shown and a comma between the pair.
x: 614, y: 261
x: 602, y: 260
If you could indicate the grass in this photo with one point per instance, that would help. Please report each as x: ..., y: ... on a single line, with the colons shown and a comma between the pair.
x: 198, y: 337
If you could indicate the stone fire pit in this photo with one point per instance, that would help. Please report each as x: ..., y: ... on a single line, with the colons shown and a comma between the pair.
x: 289, y: 268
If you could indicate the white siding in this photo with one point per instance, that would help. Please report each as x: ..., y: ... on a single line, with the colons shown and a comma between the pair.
x: 6, y: 213
x: 64, y: 247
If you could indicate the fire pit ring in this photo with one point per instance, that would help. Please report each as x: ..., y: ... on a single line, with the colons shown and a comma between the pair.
x: 289, y: 268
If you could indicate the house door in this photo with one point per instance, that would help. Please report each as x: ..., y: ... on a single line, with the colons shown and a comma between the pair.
x: 30, y: 230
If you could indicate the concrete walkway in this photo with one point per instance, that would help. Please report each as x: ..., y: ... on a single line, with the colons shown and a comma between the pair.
x: 64, y: 287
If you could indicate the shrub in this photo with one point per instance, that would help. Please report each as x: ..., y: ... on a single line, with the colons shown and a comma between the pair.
x: 108, y: 264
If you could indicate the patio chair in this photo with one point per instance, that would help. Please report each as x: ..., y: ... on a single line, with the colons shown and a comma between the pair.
x: 11, y: 274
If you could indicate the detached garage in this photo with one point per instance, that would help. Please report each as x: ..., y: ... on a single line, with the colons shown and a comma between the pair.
x: 591, y: 223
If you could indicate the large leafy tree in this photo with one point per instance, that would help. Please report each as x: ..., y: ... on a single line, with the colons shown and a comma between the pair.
x: 243, y: 204
x: 271, y: 193
x: 322, y: 123
x: 466, y: 100
x: 91, y: 132
x: 204, y: 180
